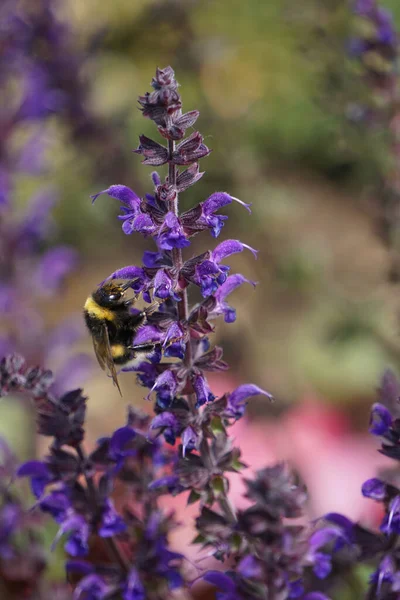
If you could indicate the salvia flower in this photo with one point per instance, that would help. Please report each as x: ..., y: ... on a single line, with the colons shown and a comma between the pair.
x: 342, y: 537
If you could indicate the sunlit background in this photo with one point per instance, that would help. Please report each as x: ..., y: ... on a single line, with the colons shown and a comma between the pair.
x: 282, y: 103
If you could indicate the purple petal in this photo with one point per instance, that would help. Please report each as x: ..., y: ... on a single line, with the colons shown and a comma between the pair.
x: 111, y: 522
x: 134, y: 589
x: 218, y: 200
x: 202, y: 390
x: 215, y: 202
x: 77, y: 544
x: 148, y: 333
x: 156, y: 178
x: 162, y: 284
x: 296, y: 589
x: 220, y: 580
x: 323, y: 536
x: 246, y: 390
x: 380, y: 419
x: 165, y: 419
x: 341, y: 521
x: 250, y: 567
x: 189, y: 439
x: 130, y: 272
x: 322, y: 565
x: 127, y: 225
x: 374, y: 488
x: 152, y: 259
x: 232, y: 282
x: 174, y: 332
x: 142, y: 223
x: 165, y: 384
x: 229, y: 247
x: 33, y: 468
x: 92, y: 586
x: 120, y: 438
x: 121, y: 193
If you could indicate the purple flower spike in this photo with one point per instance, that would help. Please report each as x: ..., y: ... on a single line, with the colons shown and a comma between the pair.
x: 381, y: 419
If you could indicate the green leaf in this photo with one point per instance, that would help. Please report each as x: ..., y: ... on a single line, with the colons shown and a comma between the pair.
x: 217, y: 426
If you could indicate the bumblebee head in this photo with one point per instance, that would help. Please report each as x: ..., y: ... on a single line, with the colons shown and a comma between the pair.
x: 111, y: 294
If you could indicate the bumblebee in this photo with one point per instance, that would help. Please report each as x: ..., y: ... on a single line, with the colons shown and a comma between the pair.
x: 113, y: 327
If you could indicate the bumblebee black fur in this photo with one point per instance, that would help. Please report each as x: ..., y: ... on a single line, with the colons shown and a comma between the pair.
x: 113, y: 327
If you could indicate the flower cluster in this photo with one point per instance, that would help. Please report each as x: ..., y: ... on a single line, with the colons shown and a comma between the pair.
x: 184, y: 403
x: 75, y: 490
x: 348, y: 543
x: 271, y: 553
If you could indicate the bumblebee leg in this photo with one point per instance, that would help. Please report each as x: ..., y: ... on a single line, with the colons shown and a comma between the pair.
x: 143, y: 348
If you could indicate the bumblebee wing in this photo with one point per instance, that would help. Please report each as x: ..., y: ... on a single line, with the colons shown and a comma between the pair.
x: 102, y: 349
x: 99, y: 350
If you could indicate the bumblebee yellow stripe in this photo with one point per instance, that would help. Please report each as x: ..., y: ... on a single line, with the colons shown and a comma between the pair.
x: 117, y: 350
x: 98, y: 311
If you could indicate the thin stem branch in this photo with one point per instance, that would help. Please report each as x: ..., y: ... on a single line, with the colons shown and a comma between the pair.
x: 110, y: 543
